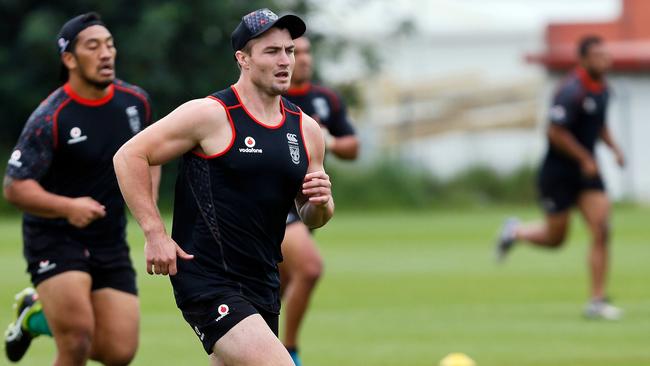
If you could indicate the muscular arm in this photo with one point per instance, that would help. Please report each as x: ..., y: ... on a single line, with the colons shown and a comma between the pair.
x: 156, y: 172
x: 29, y: 162
x: 315, y: 203
x: 340, y: 137
x: 607, y: 138
x: 344, y: 147
x: 562, y: 139
x: 29, y: 196
x: 200, y: 124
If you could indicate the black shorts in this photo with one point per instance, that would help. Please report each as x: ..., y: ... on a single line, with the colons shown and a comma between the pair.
x: 50, y: 252
x: 560, y: 186
x: 212, y: 319
x: 293, y: 216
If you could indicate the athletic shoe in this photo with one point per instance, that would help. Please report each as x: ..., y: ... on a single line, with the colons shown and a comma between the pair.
x: 602, y: 309
x: 506, y: 238
x: 295, y: 357
x: 17, y: 337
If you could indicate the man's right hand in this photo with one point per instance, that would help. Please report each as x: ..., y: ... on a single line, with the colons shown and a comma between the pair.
x: 589, y: 168
x: 160, y: 253
x: 84, y: 210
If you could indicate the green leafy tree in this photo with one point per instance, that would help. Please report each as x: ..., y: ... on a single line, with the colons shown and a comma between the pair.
x: 176, y: 49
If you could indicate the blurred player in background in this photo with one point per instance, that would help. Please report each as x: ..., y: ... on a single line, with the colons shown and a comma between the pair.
x: 303, y: 264
x: 569, y: 174
x: 74, y: 226
x: 248, y: 155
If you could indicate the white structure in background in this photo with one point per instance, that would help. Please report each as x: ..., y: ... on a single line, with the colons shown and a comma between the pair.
x: 473, y: 48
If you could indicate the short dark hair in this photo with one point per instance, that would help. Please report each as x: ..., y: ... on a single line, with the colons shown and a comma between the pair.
x: 586, y: 43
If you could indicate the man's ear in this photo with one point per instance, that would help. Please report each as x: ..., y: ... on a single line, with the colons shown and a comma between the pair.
x: 69, y: 60
x: 242, y: 59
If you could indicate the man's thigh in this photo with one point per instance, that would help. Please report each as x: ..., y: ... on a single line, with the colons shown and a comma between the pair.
x: 117, y: 319
x: 594, y: 206
x: 299, y: 249
x: 66, y: 302
x: 250, y: 343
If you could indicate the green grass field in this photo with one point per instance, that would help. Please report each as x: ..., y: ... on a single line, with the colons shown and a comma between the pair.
x: 408, y: 288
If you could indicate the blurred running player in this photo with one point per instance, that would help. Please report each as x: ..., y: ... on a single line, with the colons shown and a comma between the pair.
x: 303, y: 264
x: 74, y: 225
x: 570, y: 176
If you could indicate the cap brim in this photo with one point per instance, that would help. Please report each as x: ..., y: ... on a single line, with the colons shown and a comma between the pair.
x: 292, y: 23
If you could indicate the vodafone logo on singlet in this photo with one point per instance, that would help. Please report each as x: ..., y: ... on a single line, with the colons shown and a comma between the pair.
x: 250, y: 146
x: 76, y: 136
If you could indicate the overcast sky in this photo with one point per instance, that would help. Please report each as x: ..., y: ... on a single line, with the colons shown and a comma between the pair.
x: 374, y: 17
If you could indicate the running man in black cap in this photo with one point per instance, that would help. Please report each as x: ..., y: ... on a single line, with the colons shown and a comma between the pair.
x: 303, y: 264
x: 248, y: 155
x: 74, y: 226
x: 569, y: 174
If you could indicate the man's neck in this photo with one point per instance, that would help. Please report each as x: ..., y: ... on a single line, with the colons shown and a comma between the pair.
x: 593, y: 75
x: 263, y: 106
x: 87, y: 90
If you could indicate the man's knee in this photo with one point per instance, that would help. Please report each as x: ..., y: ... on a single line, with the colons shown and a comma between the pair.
x: 75, y: 342
x: 312, y: 269
x: 115, y: 354
x: 600, y: 232
x: 556, y: 240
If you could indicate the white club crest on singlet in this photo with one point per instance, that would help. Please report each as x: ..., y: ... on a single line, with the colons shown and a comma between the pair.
x: 294, y: 151
x: 76, y: 136
x: 134, y: 119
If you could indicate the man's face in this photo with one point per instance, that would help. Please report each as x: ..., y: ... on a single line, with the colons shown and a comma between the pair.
x: 94, y: 56
x: 303, y: 70
x: 597, y: 59
x: 271, y: 61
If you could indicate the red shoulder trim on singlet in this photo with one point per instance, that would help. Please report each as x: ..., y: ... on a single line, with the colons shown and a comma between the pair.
x: 232, y: 127
x: 304, y: 142
x: 89, y: 102
x: 55, y: 122
x: 284, y: 115
x: 139, y: 96
x: 299, y: 113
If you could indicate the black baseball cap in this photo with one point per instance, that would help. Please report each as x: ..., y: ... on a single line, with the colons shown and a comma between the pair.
x: 255, y: 23
x: 68, y: 33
